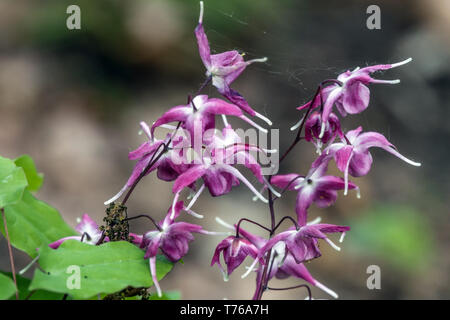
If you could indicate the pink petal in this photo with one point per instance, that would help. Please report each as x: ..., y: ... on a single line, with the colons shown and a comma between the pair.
x: 374, y: 139
x: 89, y: 226
x: 286, y: 180
x: 178, y: 113
x: 203, y: 45
x: 329, y: 102
x: 188, y: 177
x: 305, y: 198
x: 355, y: 98
x: 144, y: 149
x: 231, y: 59
x: 235, y: 97
x: 297, y: 270
x: 342, y: 157
x: 56, y: 244
x: 360, y: 163
x: 325, y: 198
x: 218, y: 106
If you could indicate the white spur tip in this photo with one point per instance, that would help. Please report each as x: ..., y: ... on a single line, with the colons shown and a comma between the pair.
x: 200, y: 18
x: 398, y: 64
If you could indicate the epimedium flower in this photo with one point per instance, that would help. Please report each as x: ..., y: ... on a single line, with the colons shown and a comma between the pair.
x: 313, y: 127
x: 171, y: 237
x: 349, y: 93
x: 88, y: 230
x: 215, y: 167
x: 224, y: 68
x: 169, y: 164
x: 199, y: 115
x: 352, y: 155
x: 316, y: 187
x: 284, y: 266
x: 302, y: 240
x: 234, y: 250
x: 226, y: 147
x: 282, y: 263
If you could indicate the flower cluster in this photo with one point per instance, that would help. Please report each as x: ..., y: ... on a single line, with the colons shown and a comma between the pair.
x: 284, y: 254
x: 197, y: 154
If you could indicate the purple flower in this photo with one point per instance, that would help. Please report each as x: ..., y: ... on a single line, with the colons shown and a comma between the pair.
x: 315, y: 187
x: 302, y: 242
x: 227, y: 147
x: 199, y: 115
x: 284, y: 266
x: 234, y: 251
x: 353, y: 157
x: 171, y: 237
x: 167, y: 168
x: 216, y: 168
x: 350, y: 93
x: 224, y: 68
x: 281, y: 261
x: 88, y: 230
x: 313, y: 128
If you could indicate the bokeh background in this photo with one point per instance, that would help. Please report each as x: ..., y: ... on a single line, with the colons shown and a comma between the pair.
x: 73, y: 99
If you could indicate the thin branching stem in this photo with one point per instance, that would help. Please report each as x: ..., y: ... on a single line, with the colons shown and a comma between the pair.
x: 145, y: 216
x: 294, y: 287
x: 238, y: 226
x: 284, y: 218
x: 164, y: 150
x: 298, y: 137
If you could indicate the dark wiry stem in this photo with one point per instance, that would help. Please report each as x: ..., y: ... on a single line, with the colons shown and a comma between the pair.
x: 238, y: 226
x: 153, y: 160
x: 189, y: 101
x: 85, y: 235
x: 145, y: 171
x: 100, y: 241
x: 11, y: 257
x: 295, y: 287
x: 204, y: 84
x: 284, y: 218
x: 165, y: 149
x: 145, y: 216
x: 298, y: 137
x: 288, y: 185
x: 265, y: 275
x: 318, y: 92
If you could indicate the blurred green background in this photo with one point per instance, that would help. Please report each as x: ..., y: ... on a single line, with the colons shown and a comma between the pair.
x: 73, y: 99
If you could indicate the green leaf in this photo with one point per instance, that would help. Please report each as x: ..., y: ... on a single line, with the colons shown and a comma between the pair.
x: 34, y: 178
x: 107, y: 268
x: 7, y: 287
x: 168, y: 295
x: 23, y: 284
x: 12, y: 182
x: 33, y: 224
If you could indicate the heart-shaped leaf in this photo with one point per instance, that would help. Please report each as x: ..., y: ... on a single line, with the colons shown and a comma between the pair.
x: 12, y: 182
x: 84, y: 270
x: 33, y: 224
x: 7, y: 287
